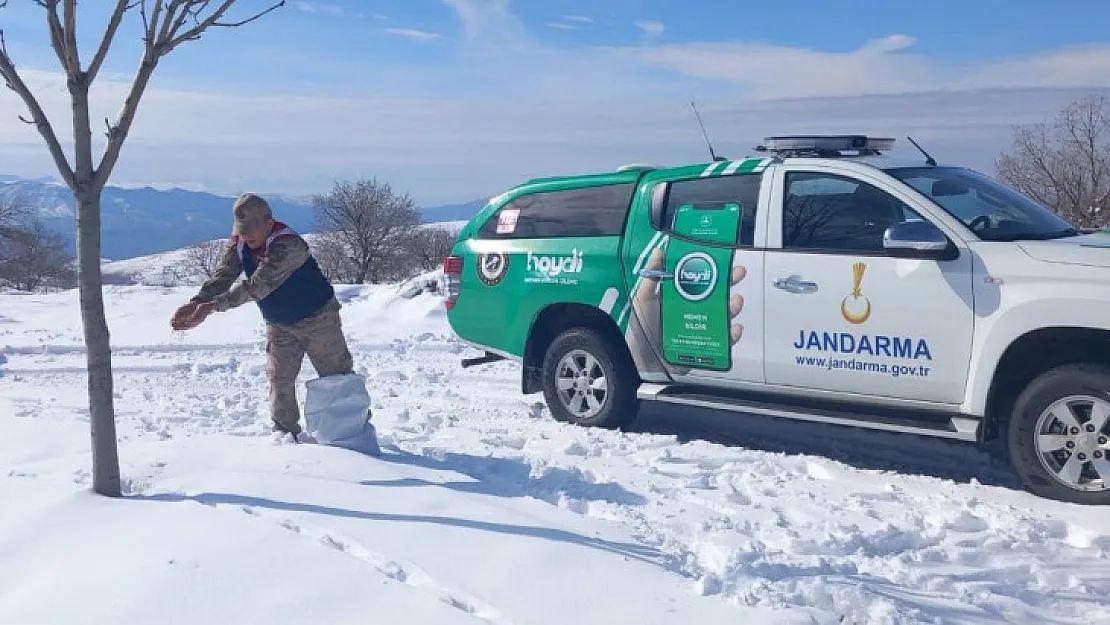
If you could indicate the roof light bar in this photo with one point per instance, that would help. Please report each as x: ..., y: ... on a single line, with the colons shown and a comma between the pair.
x: 823, y: 144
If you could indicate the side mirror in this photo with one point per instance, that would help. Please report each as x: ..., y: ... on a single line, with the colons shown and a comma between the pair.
x: 918, y: 239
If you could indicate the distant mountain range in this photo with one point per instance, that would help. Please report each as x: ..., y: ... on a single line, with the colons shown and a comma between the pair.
x: 140, y: 221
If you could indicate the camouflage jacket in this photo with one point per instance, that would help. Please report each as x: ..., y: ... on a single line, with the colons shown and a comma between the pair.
x: 274, y: 264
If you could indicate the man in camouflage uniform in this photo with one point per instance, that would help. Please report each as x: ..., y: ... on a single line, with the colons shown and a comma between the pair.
x: 296, y: 300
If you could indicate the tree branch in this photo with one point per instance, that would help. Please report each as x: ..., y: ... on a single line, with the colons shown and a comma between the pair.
x: 214, y: 20
x: 118, y: 132
x: 249, y: 19
x: 172, y: 24
x: 54, y: 28
x: 70, y: 37
x: 122, y: 6
x: 16, y: 84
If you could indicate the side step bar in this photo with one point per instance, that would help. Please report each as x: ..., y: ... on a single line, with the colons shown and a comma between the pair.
x: 959, y: 427
x: 481, y: 360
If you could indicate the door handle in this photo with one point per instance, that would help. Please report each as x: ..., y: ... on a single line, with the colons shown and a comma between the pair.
x: 793, y: 284
x: 656, y: 274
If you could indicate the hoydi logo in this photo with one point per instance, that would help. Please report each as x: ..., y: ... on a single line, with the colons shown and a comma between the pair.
x: 695, y: 276
x: 552, y: 266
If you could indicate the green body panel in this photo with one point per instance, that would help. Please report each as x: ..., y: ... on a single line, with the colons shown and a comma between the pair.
x: 497, y: 311
x: 496, y: 308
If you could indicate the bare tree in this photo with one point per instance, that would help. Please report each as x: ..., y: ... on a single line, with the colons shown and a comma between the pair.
x: 13, y: 211
x: 370, y: 223
x: 334, y: 259
x: 429, y: 246
x: 1065, y: 163
x: 166, y: 25
x: 36, y: 257
x: 203, y: 258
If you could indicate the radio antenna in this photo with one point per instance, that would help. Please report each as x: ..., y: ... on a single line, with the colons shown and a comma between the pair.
x: 712, y: 154
x: 929, y: 160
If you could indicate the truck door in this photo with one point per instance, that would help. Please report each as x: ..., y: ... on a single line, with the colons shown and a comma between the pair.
x: 845, y: 316
x: 696, y: 283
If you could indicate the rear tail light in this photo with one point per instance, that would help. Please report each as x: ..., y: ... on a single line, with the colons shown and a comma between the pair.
x: 453, y: 265
x: 452, y: 276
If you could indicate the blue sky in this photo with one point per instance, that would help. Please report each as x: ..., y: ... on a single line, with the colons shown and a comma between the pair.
x: 452, y: 100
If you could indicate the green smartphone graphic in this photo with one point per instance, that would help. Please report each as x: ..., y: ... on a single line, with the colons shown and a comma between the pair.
x: 695, y: 314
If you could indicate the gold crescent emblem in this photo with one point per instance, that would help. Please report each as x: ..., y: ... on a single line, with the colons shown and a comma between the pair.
x: 855, y: 307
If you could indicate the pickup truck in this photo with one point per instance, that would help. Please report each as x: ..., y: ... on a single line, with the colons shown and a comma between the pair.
x: 819, y: 280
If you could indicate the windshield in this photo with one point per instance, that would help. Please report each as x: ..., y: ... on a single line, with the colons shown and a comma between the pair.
x: 992, y: 210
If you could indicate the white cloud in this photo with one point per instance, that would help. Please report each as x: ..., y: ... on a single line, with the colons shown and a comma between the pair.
x: 413, y: 34
x: 651, y: 27
x: 572, y: 22
x: 881, y: 66
x: 319, y: 7
x: 490, y: 26
x: 522, y: 109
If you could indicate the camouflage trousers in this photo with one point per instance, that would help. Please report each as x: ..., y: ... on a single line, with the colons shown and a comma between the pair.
x: 321, y: 338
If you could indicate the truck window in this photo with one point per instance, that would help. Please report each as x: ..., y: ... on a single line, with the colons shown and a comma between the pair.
x: 834, y: 213
x: 582, y: 212
x: 714, y: 193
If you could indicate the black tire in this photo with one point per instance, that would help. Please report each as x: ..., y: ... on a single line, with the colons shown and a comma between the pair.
x: 619, y: 404
x: 1068, y: 380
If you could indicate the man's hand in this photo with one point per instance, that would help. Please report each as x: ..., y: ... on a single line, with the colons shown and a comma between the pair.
x: 191, y: 315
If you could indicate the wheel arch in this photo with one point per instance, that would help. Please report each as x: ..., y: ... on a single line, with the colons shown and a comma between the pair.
x: 553, y: 320
x: 1033, y: 353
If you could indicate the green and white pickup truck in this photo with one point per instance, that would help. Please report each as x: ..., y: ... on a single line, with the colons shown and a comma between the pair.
x: 820, y: 281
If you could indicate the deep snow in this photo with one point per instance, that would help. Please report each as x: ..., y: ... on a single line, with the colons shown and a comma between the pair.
x: 481, y: 509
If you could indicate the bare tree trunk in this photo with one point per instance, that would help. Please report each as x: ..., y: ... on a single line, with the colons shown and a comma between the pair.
x: 98, y: 347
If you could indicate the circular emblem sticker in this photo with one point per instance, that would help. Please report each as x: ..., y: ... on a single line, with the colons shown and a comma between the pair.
x: 695, y: 276
x: 492, y: 268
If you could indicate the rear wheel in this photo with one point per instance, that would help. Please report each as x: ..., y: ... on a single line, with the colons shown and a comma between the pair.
x: 586, y: 381
x: 1059, y: 440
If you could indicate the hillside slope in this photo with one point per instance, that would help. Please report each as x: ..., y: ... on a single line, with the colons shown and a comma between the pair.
x: 141, y: 221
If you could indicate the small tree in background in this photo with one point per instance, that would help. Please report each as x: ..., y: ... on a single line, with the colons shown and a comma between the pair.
x: 36, y: 257
x: 203, y: 258
x: 429, y: 246
x: 334, y: 260
x: 1065, y: 163
x: 31, y: 255
x: 166, y: 25
x: 364, y: 230
x: 14, y: 210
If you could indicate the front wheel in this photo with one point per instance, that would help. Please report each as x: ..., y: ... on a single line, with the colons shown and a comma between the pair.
x: 1058, y: 437
x: 586, y: 382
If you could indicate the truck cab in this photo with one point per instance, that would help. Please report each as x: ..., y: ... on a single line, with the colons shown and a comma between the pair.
x: 819, y: 280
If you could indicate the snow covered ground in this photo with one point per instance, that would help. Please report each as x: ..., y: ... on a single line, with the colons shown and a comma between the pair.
x: 482, y: 509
